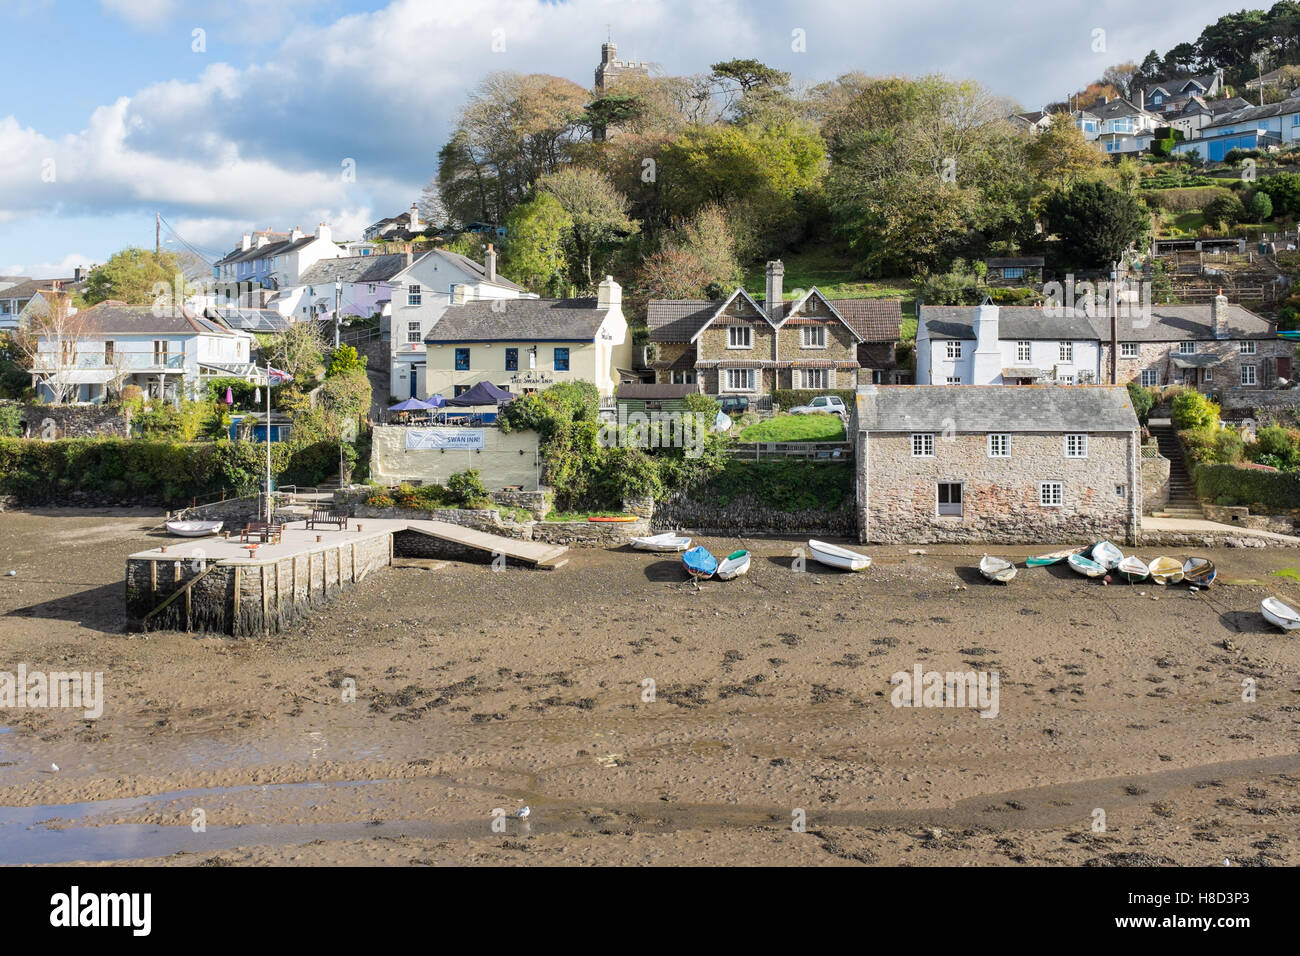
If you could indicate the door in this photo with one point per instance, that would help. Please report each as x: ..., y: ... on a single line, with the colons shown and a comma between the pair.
x: 1284, y: 367
x: 415, y: 383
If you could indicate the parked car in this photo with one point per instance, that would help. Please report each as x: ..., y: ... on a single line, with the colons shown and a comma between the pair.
x: 734, y: 404
x: 822, y: 405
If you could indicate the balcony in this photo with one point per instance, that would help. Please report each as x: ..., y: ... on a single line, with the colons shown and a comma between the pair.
x: 119, y: 361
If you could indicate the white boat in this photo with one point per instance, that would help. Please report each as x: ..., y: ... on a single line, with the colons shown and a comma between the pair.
x: 997, y: 569
x: 834, y: 556
x: 1085, y: 566
x: 668, y: 541
x: 193, y: 529
x: 1107, y: 555
x: 733, y: 565
x: 1282, y: 615
x: 1134, y: 569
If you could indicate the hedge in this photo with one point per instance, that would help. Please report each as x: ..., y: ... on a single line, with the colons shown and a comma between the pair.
x: 1275, y: 490
x: 789, y: 398
x: 781, y: 485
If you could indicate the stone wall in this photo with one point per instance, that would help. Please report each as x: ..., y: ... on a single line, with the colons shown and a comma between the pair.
x: 1240, y: 515
x: 745, y: 516
x: 1260, y: 400
x: 1159, y: 357
x: 506, y: 459
x: 897, y: 494
x: 1155, y: 484
x: 72, y: 421
x: 537, y: 502
x: 590, y: 534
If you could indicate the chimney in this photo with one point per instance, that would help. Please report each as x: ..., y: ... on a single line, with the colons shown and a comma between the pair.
x: 775, y: 279
x: 247, y: 243
x: 323, y: 231
x: 406, y: 250
x: 262, y: 240
x: 986, y: 366
x: 296, y: 234
x: 459, y: 294
x: 78, y: 273
x: 415, y: 218
x: 1219, y: 312
x: 1142, y: 100
x: 490, y: 263
x: 609, y: 294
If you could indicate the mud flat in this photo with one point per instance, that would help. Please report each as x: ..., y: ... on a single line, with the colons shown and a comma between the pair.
x: 478, y: 690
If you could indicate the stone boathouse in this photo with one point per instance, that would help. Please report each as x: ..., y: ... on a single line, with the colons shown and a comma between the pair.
x: 991, y: 464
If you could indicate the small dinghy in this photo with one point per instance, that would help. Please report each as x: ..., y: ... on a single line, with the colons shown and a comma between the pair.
x: 1053, y: 558
x: 1279, y: 614
x: 668, y: 541
x: 1085, y: 566
x: 997, y: 569
x: 1134, y: 569
x: 733, y: 565
x: 1166, y: 570
x: 193, y: 529
x: 1107, y: 555
x: 834, y: 556
x: 1199, y: 571
x: 699, y: 563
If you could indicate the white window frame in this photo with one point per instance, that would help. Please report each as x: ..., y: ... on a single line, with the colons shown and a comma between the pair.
x: 961, y: 504
x: 1249, y: 379
x: 681, y: 378
x: 1076, y: 445
x: 1250, y: 348
x: 1057, y: 492
x: 806, y: 374
x: 413, y: 328
x: 1024, y: 352
x: 953, y: 350
x: 954, y: 379
x: 808, y: 335
x: 923, y: 444
x: 1207, y: 375
x: 751, y: 379
x: 1152, y: 374
x: 1128, y: 350
x: 999, y: 445
x: 1067, y: 353
x: 414, y: 295
x: 747, y: 337
x: 1186, y: 348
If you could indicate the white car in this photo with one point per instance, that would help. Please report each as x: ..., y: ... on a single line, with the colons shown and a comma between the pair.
x: 822, y: 405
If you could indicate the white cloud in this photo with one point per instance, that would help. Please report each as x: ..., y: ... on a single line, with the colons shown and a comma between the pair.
x: 49, y: 270
x: 141, y: 13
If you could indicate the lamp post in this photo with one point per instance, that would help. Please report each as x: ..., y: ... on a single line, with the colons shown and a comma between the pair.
x: 338, y: 305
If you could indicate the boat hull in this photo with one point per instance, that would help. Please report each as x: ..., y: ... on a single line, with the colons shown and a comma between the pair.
x: 661, y: 543
x: 1085, y: 566
x: 733, y: 566
x: 194, y: 529
x: 836, y: 557
x: 1166, y: 571
x: 1134, y: 569
x: 997, y: 570
x: 1280, y: 615
x: 1056, y: 557
x: 1200, y: 572
x: 1107, y: 555
x: 699, y: 563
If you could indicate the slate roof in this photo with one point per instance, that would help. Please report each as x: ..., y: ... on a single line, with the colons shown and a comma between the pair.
x: 514, y: 320
x: 354, y: 269
x: 1168, y: 323
x: 276, y: 247
x: 1174, y: 88
x: 25, y: 288
x: 1252, y: 113
x: 466, y: 264
x: 677, y: 320
x: 118, y: 318
x: 999, y: 408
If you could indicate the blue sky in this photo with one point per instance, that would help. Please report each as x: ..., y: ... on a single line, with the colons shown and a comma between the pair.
x: 110, y: 113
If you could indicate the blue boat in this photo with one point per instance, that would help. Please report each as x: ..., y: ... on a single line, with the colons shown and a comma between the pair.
x: 699, y: 563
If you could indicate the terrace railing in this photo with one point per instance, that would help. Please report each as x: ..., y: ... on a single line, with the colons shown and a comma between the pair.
x: 817, y: 452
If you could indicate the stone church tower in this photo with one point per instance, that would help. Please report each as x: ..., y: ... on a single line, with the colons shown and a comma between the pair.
x: 610, y: 71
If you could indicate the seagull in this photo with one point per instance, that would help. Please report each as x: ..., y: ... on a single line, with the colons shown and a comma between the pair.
x: 522, y: 812
x: 54, y: 767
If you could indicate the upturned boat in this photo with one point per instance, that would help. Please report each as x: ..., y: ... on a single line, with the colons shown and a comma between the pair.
x: 834, y: 556
x: 1134, y: 569
x: 1107, y: 555
x: 997, y: 569
x: 1053, y: 558
x: 667, y: 541
x: 733, y: 565
x: 193, y: 529
x: 1165, y: 570
x: 1279, y: 614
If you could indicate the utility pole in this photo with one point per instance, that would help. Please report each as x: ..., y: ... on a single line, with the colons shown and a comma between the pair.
x: 338, y: 305
x: 157, y: 234
x: 1114, y: 323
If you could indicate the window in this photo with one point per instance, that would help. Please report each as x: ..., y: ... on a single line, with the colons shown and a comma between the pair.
x: 954, y: 380
x: 1119, y: 491
x: 512, y: 360
x: 160, y: 352
x: 413, y: 296
x: 1013, y: 272
x: 460, y: 390
x: 1248, y: 375
x: 814, y: 337
x: 950, y: 498
x: 740, y: 337
x: 1150, y: 377
x: 371, y: 288
x: 1186, y: 348
x: 923, y: 445
x: 462, y: 360
x: 562, y: 360
x: 954, y: 350
x: 412, y: 333
x: 108, y: 351
x: 681, y: 378
x: 1067, y: 351
x: 1023, y: 352
x: 813, y: 377
x: 1050, y: 494
x: 740, y: 379
x: 1207, y: 375
x: 1128, y: 350
x: 1000, y: 446
x: 1248, y: 348
x: 1076, y: 446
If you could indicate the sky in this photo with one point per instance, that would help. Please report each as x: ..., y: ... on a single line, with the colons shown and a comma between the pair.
x: 230, y: 115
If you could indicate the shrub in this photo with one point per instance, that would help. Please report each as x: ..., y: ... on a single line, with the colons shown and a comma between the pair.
x: 782, y: 485
x: 1261, y: 207
x: 1198, y: 444
x: 466, y: 486
x: 1225, y: 209
x: 1143, y: 400
x: 1191, y: 409
x: 1229, y: 446
x: 1278, y: 443
x: 1265, y: 490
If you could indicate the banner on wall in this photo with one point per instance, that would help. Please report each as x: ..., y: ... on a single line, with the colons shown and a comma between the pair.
x: 461, y: 439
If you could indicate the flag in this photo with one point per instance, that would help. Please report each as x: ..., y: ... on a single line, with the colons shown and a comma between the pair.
x: 277, y: 377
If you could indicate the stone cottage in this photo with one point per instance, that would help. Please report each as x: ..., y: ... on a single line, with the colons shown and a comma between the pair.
x: 971, y: 463
x: 743, y: 346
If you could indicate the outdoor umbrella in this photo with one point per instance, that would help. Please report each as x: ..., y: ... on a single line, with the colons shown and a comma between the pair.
x: 230, y: 396
x: 435, y: 401
x: 484, y: 393
x: 410, y: 405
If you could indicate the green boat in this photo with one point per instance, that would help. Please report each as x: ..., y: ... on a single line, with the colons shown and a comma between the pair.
x: 1054, y: 558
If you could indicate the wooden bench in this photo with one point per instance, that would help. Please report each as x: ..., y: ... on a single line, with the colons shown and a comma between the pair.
x: 267, y: 531
x: 321, y: 516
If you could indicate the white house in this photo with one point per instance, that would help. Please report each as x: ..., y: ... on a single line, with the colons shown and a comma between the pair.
x: 988, y: 345
x: 1118, y: 126
x: 421, y: 293
x: 169, y: 352
x: 268, y: 260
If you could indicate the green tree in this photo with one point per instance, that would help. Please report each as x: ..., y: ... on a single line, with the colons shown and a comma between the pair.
x: 533, y: 254
x: 345, y: 359
x: 1225, y: 210
x: 1283, y: 190
x: 1261, y: 207
x: 1095, y: 223
x: 1191, y: 410
x: 134, y: 276
x: 598, y: 213
x: 699, y: 254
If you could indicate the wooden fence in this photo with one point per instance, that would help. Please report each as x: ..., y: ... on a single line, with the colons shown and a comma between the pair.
x: 817, y: 452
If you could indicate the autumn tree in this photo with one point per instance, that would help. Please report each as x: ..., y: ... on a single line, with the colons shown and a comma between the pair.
x: 598, y: 215
x: 698, y: 258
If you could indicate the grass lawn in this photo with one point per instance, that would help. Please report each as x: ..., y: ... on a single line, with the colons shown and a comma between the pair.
x: 796, y: 428
x: 581, y: 515
x: 832, y: 273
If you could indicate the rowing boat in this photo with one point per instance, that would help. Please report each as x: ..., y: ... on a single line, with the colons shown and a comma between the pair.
x: 1085, y: 566
x: 834, y: 556
x: 193, y: 529
x: 1107, y: 555
x: 1053, y: 558
x: 1279, y: 614
x: 1134, y: 569
x: 997, y: 569
x: 733, y: 565
x: 1199, y: 571
x: 699, y: 563
x: 1166, y: 570
x: 668, y: 541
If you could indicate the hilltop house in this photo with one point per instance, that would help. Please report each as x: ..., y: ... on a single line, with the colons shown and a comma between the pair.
x: 1210, y: 347
x: 421, y: 293
x: 527, y: 344
x: 169, y: 354
x: 402, y: 226
x: 987, y: 464
x: 359, y: 285
x: 271, y: 260
x: 1168, y: 97
x: 742, y: 346
x: 21, y: 298
x: 1118, y: 126
x: 1251, y: 127
x: 1034, y: 121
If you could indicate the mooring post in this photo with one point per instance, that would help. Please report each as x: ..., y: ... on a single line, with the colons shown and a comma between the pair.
x: 234, y: 624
